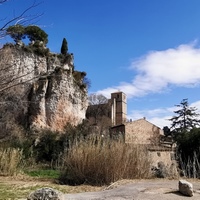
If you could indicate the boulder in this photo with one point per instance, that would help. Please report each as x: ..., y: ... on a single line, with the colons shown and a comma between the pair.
x: 186, y: 188
x: 46, y: 194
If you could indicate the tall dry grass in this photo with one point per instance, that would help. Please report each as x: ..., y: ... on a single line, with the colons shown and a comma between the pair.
x: 10, y: 160
x: 98, y: 161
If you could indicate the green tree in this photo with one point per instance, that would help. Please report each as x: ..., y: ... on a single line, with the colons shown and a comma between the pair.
x: 188, y: 152
x: 186, y: 133
x: 17, y: 32
x: 189, y: 143
x: 34, y: 33
x: 185, y: 119
x: 24, y: 17
x: 49, y: 147
x: 64, y: 47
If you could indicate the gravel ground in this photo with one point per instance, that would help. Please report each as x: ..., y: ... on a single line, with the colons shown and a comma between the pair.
x: 140, y: 190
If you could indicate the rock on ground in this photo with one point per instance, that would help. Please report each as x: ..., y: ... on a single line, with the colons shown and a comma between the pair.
x: 45, y: 194
x: 186, y: 188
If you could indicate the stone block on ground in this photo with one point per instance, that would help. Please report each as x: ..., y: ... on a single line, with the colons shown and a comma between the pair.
x: 186, y: 188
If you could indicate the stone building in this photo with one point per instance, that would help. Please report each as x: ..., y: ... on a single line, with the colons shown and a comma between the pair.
x: 140, y: 132
x: 118, y: 108
x: 114, y: 111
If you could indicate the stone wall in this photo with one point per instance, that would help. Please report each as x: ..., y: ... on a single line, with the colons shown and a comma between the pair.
x: 142, y: 132
x: 167, y: 157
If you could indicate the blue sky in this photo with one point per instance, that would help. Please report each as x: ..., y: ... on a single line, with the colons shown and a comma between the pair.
x: 149, y: 49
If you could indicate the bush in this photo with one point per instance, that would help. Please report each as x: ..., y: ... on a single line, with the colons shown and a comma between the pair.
x: 48, y: 147
x: 189, y: 152
x: 65, y: 59
x: 37, y: 48
x: 98, y: 162
x: 78, y: 76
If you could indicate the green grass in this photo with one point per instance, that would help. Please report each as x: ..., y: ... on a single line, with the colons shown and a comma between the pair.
x: 9, y: 192
x: 18, y: 191
x: 13, y: 189
x: 43, y: 173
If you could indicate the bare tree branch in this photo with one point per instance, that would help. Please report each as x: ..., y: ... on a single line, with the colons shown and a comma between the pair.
x: 23, y: 18
x: 3, y: 1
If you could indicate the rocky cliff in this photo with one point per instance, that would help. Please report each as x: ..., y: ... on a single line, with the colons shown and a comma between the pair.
x: 41, y: 91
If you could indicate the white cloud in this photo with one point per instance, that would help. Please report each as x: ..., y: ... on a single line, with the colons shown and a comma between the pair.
x: 196, y: 105
x: 160, y: 116
x: 155, y: 73
x: 160, y: 122
x: 159, y: 69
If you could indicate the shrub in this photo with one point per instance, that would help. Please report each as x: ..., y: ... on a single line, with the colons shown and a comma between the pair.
x: 37, y: 48
x: 73, y: 134
x: 189, y: 152
x: 97, y: 161
x: 48, y: 147
x: 78, y: 76
x: 64, y: 58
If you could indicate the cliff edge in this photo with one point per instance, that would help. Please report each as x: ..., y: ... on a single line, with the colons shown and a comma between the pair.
x: 40, y: 91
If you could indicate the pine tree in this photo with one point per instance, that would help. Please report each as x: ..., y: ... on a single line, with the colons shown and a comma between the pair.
x: 34, y: 33
x: 186, y: 118
x: 17, y: 32
x: 64, y: 47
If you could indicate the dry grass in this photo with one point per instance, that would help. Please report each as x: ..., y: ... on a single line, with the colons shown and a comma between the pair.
x: 98, y: 161
x: 20, y: 187
x: 10, y: 159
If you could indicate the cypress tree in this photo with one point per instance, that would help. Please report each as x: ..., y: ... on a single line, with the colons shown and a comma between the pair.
x: 64, y: 48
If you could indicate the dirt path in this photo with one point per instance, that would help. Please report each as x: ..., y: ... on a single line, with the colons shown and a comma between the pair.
x: 140, y: 190
x: 154, y: 189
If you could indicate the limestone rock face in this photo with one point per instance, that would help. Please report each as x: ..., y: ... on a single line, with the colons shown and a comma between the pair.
x: 53, y: 94
x: 186, y: 188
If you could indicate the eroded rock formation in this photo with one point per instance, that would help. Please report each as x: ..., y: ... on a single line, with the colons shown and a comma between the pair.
x: 45, y: 91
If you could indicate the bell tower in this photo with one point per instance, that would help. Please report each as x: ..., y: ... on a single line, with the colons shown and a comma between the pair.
x: 119, y: 108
